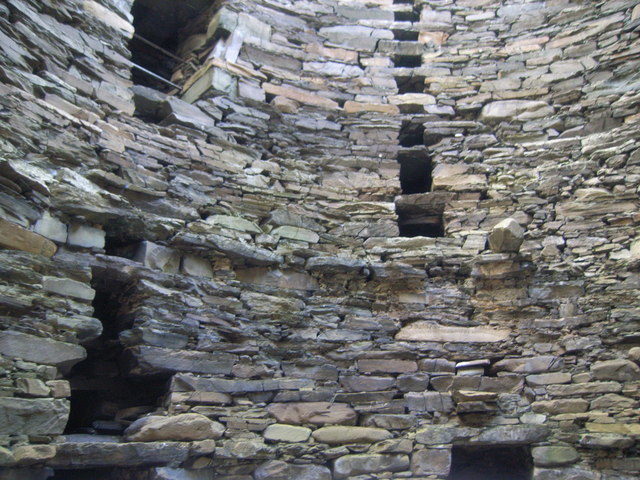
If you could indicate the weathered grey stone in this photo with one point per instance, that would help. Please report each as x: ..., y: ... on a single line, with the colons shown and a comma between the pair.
x: 278, y: 470
x: 110, y: 454
x: 431, y: 461
x: 174, y: 110
x: 515, y: 110
x: 513, y: 435
x: 366, y: 383
x: 183, y: 427
x: 554, y: 456
x: 68, y: 288
x: 390, y: 421
x: 144, y: 360
x: 33, y: 454
x: 554, y: 407
x: 318, y: 413
x: 336, y: 435
x: 621, y: 370
x: 506, y: 236
x: 352, y: 465
x: 430, y: 332
x: 32, y: 387
x: 287, y: 433
x: 196, y: 266
x: 296, y: 233
x: 40, y: 350
x: 606, y: 441
x: 540, y: 364
x: 429, y: 402
x: 168, y: 473
x: 157, y: 257
x: 443, y: 434
x: 38, y: 416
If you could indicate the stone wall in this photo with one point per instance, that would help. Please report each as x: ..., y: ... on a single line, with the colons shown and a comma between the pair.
x: 360, y: 241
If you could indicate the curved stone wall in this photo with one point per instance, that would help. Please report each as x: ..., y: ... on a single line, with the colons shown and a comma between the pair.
x: 213, y: 283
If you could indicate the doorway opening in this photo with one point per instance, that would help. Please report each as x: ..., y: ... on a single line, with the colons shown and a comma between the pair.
x: 491, y: 463
x: 104, y: 399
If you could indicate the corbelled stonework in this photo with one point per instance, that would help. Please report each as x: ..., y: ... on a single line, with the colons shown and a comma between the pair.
x: 353, y: 241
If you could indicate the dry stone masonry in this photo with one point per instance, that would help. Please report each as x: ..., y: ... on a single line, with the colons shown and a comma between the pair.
x: 319, y: 239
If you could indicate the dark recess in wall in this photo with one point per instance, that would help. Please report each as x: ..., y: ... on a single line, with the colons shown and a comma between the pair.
x: 100, y: 391
x: 491, y: 463
x: 159, y: 22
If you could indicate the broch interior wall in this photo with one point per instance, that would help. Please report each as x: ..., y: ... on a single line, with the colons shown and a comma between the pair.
x: 359, y: 240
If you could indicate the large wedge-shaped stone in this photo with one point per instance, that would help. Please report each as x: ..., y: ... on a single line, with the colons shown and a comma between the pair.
x: 184, y: 427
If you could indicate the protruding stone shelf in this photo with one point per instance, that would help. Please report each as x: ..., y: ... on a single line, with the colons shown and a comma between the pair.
x: 422, y: 331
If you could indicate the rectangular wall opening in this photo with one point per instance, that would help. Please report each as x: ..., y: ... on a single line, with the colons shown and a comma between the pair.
x: 491, y: 463
x: 406, y: 16
x: 420, y: 226
x: 104, y: 400
x: 411, y: 134
x: 415, y: 171
x: 410, y: 84
x: 407, y: 61
x: 404, y: 35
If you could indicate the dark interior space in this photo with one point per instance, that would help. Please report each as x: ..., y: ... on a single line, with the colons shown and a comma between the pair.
x: 85, y: 474
x: 491, y: 463
x: 415, y: 174
x: 406, y: 16
x: 158, y: 24
x: 420, y: 227
x: 406, y: 35
x: 411, y: 134
x: 103, y: 399
x: 410, y: 84
x: 407, y: 61
x: 102, y: 474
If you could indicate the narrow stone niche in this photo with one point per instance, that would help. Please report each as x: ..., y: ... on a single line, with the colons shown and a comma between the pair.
x: 415, y: 171
x: 88, y: 474
x: 411, y: 133
x: 406, y: 16
x: 407, y: 61
x: 410, y: 84
x: 157, y: 26
x: 103, y: 399
x: 491, y: 463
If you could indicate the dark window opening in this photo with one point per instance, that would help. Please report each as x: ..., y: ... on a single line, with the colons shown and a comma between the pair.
x: 411, y: 134
x: 415, y: 172
x: 103, y: 399
x: 412, y: 84
x: 420, y: 227
x: 491, y: 463
x: 398, y: 2
x: 85, y: 474
x: 406, y: 35
x: 406, y: 16
x: 158, y: 27
x: 407, y: 61
x: 101, y: 474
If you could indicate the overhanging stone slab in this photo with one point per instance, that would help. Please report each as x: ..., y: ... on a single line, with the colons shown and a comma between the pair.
x: 429, y: 332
